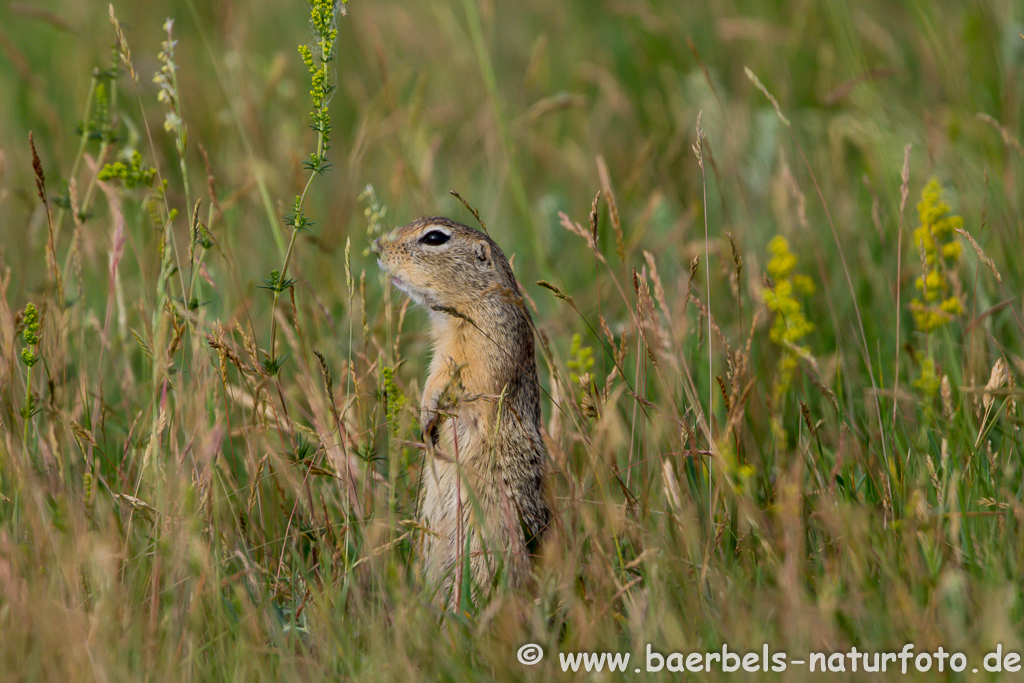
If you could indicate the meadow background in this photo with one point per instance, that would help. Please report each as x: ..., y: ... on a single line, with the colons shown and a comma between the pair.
x: 782, y: 391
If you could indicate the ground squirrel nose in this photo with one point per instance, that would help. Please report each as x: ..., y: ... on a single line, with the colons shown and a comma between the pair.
x: 375, y: 247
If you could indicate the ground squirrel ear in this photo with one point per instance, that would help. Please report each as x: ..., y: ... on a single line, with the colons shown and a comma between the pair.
x: 483, y: 252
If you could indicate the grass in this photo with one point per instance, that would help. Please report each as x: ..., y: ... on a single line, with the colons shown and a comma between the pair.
x: 762, y: 429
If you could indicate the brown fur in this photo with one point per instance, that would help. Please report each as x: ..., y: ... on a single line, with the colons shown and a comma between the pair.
x: 480, y: 414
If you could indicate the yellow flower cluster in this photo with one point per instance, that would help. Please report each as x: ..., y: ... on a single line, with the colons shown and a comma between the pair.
x: 394, y: 399
x: 940, y: 250
x: 30, y: 335
x: 131, y: 174
x: 791, y: 324
x: 581, y: 360
x: 928, y: 381
x: 324, y: 26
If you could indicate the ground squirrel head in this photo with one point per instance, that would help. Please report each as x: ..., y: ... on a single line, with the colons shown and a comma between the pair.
x: 444, y: 266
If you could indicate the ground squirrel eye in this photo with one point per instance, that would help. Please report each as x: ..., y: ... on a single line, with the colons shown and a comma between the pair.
x: 435, y: 238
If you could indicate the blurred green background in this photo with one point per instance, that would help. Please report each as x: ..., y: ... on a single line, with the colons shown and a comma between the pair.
x: 511, y: 104
x: 853, y: 505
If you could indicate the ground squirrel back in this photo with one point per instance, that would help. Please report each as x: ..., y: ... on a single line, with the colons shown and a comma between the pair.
x: 482, y: 493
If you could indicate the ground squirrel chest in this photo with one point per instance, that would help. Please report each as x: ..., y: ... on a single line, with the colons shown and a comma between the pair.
x: 482, y: 485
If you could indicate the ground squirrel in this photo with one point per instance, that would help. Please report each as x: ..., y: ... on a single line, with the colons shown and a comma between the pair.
x: 480, y: 413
